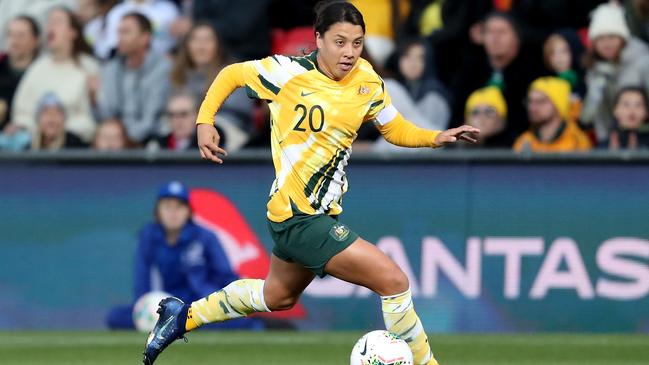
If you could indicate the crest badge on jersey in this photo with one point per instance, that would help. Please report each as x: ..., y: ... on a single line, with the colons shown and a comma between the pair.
x: 363, y: 90
x: 339, y: 232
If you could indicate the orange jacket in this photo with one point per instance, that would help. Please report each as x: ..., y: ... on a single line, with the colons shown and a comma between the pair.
x: 569, y: 139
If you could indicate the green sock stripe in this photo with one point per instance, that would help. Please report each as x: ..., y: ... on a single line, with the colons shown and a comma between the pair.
x: 232, y: 307
x: 223, y: 307
x: 403, y: 333
x: 400, y: 319
x: 252, y: 309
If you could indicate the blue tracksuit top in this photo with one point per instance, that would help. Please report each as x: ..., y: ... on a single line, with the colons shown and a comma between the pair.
x: 194, y: 267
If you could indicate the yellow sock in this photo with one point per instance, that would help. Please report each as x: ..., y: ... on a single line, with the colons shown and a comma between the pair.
x: 400, y: 318
x: 236, y: 300
x: 190, y: 324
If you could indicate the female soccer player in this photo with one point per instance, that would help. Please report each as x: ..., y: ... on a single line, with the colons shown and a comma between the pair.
x: 317, y: 104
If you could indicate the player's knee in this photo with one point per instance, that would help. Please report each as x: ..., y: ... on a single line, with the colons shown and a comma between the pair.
x: 281, y: 304
x: 395, y: 282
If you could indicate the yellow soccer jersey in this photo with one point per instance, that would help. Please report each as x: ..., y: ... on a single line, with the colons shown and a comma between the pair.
x: 314, y: 121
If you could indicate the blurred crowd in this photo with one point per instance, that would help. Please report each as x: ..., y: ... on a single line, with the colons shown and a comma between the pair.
x: 533, y: 75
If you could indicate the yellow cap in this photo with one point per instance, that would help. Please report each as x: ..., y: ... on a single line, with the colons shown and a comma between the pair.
x: 489, y: 95
x: 557, y: 90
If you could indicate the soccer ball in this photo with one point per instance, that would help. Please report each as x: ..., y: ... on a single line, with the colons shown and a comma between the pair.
x: 381, y: 348
x: 145, y: 313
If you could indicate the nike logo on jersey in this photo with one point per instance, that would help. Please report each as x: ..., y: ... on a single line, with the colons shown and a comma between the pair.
x: 307, y: 94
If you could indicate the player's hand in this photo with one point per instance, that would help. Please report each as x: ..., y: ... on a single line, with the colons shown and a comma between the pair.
x: 208, y: 143
x: 454, y: 134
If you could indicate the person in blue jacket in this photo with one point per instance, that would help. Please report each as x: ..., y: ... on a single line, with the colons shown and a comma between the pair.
x: 177, y: 256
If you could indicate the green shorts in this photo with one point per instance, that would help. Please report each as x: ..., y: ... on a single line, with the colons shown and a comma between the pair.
x: 310, y: 240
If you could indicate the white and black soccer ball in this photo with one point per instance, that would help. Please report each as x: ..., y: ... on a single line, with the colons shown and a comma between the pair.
x: 145, y: 313
x: 381, y: 348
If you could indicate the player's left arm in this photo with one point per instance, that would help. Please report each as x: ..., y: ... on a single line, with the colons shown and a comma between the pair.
x: 401, y: 132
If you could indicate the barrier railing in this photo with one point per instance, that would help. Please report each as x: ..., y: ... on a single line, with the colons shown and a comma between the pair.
x: 259, y: 155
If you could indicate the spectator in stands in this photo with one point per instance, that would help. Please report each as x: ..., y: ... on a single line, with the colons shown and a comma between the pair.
x: 630, y: 112
x: 134, y: 85
x: 380, y: 33
x: 615, y: 60
x: 22, y: 49
x: 486, y: 110
x: 448, y: 27
x: 548, y: 104
x: 35, y: 9
x: 86, y: 10
x: 200, y: 58
x: 561, y: 55
x: 96, y: 30
x: 181, y: 25
x: 17, y: 140
x: 111, y: 136
x: 181, y: 114
x: 562, y: 52
x: 68, y: 70
x: 637, y: 18
x: 189, y: 260
x: 507, y: 64
x: 161, y: 14
x: 50, y: 132
x: 414, y: 73
x: 242, y: 25
x: 414, y: 91
x: 538, y: 19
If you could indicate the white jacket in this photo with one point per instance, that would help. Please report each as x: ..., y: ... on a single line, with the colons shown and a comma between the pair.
x: 69, y: 81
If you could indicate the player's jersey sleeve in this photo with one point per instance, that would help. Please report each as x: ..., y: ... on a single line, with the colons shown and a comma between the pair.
x: 262, y: 79
x: 393, y: 126
x: 380, y: 101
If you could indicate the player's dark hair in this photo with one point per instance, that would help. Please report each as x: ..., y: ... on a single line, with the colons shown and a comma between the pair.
x: 143, y: 23
x: 33, y: 25
x: 328, y: 12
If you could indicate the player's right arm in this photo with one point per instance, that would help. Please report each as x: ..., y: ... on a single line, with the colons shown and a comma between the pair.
x: 255, y: 76
x: 223, y: 85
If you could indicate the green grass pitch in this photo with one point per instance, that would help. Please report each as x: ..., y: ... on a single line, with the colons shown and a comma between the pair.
x: 316, y: 348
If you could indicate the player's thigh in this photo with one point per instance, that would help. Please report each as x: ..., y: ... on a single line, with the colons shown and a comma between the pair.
x: 284, y: 283
x: 364, y: 264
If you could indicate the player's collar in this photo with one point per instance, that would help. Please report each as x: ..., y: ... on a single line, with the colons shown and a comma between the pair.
x: 313, y: 58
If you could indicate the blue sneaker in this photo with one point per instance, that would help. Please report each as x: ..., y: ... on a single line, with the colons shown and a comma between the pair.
x: 169, y: 328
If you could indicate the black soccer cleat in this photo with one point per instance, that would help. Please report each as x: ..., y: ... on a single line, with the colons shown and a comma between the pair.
x: 169, y: 328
